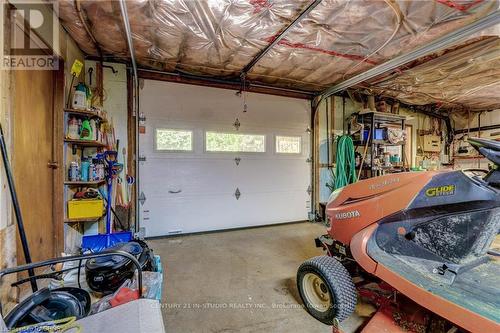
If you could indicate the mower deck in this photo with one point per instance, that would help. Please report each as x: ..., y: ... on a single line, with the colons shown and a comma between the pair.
x: 475, y: 289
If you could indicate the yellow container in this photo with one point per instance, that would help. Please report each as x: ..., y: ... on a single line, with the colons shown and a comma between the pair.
x: 85, y: 209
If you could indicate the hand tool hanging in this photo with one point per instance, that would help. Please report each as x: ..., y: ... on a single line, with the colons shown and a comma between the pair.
x: 100, y: 242
x: 17, y: 209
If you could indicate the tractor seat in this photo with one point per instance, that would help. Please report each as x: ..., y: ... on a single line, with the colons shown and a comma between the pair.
x: 489, y: 148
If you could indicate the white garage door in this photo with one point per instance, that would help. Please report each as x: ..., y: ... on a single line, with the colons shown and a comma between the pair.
x: 201, y: 174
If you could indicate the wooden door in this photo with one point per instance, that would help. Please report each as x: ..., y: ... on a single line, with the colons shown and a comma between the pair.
x: 33, y: 138
x: 409, y: 146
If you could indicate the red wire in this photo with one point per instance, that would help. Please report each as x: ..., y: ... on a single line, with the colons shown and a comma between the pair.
x: 259, y: 5
x: 460, y: 7
x: 285, y: 42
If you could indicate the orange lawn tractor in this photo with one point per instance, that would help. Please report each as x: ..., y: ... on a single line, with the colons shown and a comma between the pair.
x: 417, y: 247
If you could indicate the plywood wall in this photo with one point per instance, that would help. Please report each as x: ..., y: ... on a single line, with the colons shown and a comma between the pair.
x: 487, y: 119
x: 69, y: 51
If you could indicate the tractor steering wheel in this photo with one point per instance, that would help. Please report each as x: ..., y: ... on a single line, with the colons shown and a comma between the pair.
x: 487, y: 143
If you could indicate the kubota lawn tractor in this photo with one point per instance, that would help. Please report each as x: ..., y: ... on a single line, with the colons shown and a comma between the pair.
x: 417, y: 247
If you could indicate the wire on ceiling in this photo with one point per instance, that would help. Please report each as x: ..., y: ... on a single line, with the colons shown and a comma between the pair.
x: 399, y: 22
x: 85, y: 24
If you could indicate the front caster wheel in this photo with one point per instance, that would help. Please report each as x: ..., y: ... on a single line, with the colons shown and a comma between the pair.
x: 327, y: 290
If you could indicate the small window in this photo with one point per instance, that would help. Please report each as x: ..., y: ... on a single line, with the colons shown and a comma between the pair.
x: 174, y: 140
x: 231, y: 142
x: 288, y: 144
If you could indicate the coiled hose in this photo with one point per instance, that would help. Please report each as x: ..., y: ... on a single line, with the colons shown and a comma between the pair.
x: 345, y: 170
x: 61, y: 325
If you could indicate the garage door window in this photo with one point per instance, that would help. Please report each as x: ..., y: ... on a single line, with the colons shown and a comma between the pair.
x: 174, y: 140
x: 231, y: 142
x: 288, y: 144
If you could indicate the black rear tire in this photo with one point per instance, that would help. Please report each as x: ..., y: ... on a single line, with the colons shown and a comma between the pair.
x: 327, y: 290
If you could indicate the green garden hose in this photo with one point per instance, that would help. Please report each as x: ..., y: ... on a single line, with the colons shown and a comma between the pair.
x: 345, y: 170
x: 61, y: 325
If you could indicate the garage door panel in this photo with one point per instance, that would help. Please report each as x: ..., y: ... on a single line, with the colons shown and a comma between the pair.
x: 184, y: 103
x: 281, y: 176
x: 204, y: 176
x: 197, y: 176
x: 187, y: 214
x: 194, y: 191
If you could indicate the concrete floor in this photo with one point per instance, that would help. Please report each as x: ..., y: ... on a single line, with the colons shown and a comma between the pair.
x: 238, y: 281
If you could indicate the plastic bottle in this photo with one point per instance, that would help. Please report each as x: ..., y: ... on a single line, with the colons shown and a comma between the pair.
x: 100, y: 170
x: 85, y: 171
x: 73, y: 129
x: 80, y: 97
x: 93, y: 127
x: 92, y: 174
x: 79, y: 127
x: 73, y: 172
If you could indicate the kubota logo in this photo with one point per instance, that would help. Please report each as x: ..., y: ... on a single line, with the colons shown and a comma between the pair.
x: 440, y: 191
x: 384, y: 183
x: 347, y: 215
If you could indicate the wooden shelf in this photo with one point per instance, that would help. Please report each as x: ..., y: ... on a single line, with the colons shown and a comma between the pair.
x: 86, y: 113
x: 82, y: 220
x: 378, y: 142
x: 85, y: 143
x: 384, y: 116
x: 393, y: 167
x: 386, y: 143
x: 467, y: 157
x: 78, y: 183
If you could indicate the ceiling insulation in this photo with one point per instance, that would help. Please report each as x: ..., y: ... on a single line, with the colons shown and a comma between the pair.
x: 467, y: 75
x: 336, y: 40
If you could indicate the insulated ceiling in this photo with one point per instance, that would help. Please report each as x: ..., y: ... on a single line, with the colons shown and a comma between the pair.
x: 336, y: 40
x: 467, y: 75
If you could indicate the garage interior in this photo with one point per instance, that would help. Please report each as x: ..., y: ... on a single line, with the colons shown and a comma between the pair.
x: 250, y: 166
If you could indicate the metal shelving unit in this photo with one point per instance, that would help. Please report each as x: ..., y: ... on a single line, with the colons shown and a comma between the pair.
x: 374, y: 121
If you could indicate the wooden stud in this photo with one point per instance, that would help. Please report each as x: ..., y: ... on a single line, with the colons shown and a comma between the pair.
x: 58, y: 156
x: 332, y: 128
x: 224, y: 85
x: 316, y: 159
x: 131, y: 141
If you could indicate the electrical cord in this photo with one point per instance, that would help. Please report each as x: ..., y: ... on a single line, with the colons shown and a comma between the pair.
x: 79, y: 271
x: 51, y: 275
x: 364, y: 153
x: 399, y: 16
x: 112, y: 209
x: 60, y: 325
x: 345, y: 169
